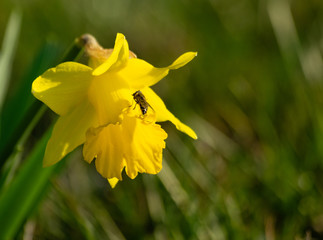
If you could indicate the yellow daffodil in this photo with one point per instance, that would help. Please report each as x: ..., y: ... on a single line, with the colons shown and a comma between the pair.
x: 96, y: 108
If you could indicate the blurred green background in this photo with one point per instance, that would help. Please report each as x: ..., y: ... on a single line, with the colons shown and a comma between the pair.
x: 253, y: 95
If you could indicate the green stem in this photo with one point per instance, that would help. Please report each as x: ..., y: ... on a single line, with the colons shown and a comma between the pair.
x: 15, y: 158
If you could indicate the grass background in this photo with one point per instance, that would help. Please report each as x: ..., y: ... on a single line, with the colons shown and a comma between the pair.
x: 253, y: 95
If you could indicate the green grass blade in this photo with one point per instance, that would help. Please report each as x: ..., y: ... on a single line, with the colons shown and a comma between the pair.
x: 8, y: 51
x: 22, y: 195
x: 14, y: 122
x: 20, y: 108
x: 11, y: 165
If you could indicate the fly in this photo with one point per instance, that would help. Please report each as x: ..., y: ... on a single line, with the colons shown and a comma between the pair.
x: 141, y: 101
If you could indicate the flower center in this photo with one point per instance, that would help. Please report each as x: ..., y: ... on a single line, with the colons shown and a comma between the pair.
x: 109, y: 95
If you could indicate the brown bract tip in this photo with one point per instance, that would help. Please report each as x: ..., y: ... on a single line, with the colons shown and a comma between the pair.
x: 88, y: 41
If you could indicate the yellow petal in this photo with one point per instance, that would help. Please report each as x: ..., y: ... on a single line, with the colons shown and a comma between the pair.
x: 109, y: 94
x: 63, y: 87
x: 105, y: 144
x: 118, y: 57
x: 141, y: 74
x: 134, y: 144
x: 90, y: 147
x: 163, y: 114
x: 183, y: 60
x: 69, y: 132
x: 113, y: 182
x: 98, y: 56
x: 143, y: 145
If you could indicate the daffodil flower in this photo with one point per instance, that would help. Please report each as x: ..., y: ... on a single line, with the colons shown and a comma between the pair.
x: 96, y: 108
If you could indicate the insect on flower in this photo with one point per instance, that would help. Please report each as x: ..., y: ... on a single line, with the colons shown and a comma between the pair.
x: 141, y: 100
x: 92, y: 101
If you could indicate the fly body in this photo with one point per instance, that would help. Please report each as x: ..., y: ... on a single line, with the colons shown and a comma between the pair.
x: 141, y: 101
